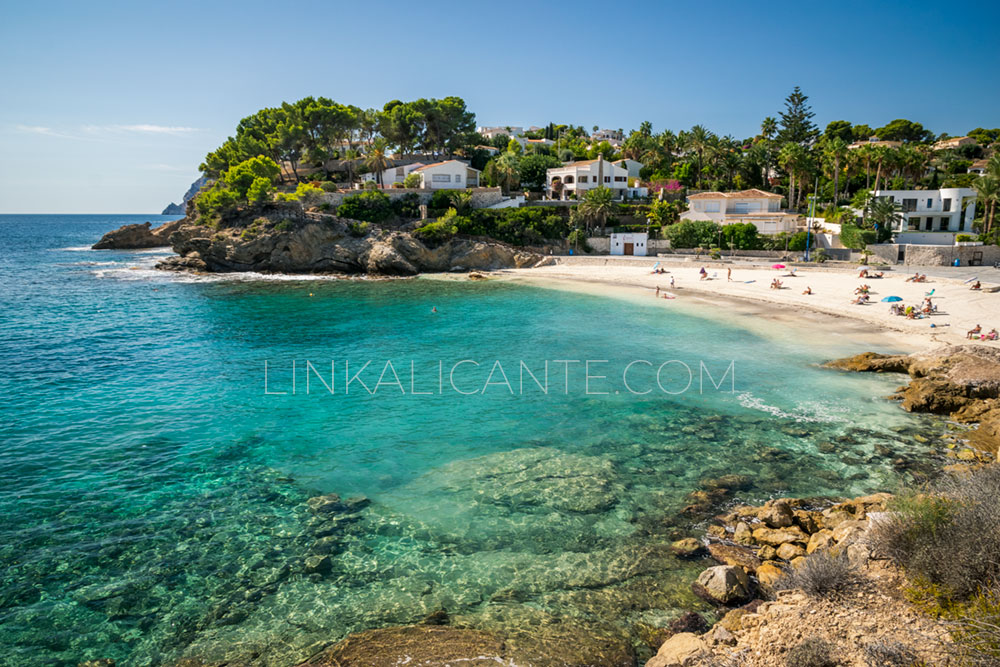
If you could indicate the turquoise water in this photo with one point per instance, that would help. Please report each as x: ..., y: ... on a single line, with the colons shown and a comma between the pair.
x: 153, y: 495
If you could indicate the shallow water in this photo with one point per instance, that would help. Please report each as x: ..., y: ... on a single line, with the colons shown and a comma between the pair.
x: 152, y: 493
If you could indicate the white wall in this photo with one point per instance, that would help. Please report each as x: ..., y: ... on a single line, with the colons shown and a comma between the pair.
x: 456, y: 173
x: 639, y: 240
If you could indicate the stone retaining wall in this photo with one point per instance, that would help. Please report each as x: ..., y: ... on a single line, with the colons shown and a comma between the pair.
x: 935, y: 255
x: 481, y: 197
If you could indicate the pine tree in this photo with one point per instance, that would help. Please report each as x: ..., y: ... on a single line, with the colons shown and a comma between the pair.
x: 796, y: 120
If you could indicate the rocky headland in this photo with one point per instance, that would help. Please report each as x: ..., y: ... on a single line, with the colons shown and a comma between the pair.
x: 138, y: 236
x: 282, y: 238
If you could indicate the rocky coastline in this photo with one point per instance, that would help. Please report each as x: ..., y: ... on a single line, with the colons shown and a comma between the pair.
x: 282, y: 238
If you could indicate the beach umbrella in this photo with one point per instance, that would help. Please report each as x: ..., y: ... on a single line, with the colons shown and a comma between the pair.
x: 891, y: 299
x: 777, y: 266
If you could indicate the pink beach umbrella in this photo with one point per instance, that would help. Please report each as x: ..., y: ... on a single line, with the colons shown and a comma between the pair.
x: 777, y: 266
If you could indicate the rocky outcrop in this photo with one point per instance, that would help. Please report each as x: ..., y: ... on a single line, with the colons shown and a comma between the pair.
x: 180, y: 209
x: 134, y: 237
x: 961, y: 381
x: 317, y: 243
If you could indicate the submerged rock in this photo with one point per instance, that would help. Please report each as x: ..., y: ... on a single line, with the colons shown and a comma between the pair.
x: 723, y: 584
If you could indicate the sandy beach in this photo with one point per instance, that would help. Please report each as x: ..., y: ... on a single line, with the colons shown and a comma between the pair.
x: 959, y: 308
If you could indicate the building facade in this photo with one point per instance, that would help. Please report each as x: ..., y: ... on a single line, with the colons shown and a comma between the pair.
x: 932, y: 217
x: 578, y: 177
x: 762, y: 209
x: 447, y: 175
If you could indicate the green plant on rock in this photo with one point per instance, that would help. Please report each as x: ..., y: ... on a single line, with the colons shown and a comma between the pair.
x: 368, y: 206
x: 358, y: 229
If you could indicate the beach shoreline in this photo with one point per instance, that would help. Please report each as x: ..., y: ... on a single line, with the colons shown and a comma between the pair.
x: 749, y: 294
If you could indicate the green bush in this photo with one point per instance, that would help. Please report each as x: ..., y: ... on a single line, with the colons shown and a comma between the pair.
x: 411, y: 181
x: 357, y: 229
x: 328, y: 186
x: 284, y: 226
x: 692, y: 234
x: 964, y: 238
x: 436, y: 232
x: 441, y: 199
x: 856, y: 238
x: 407, y: 206
x: 517, y: 226
x: 368, y: 206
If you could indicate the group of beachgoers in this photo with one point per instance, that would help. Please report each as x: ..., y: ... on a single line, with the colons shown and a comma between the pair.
x: 865, y: 274
x: 917, y: 278
x: 976, y: 333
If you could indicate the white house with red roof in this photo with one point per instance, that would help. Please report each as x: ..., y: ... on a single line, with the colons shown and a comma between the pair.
x: 763, y: 209
x: 578, y: 177
x: 393, y: 174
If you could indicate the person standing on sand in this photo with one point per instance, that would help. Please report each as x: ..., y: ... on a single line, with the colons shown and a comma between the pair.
x: 729, y: 275
x: 657, y: 290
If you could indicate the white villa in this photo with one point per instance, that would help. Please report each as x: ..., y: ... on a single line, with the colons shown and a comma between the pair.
x: 632, y: 166
x: 613, y: 137
x: 932, y: 217
x: 450, y: 174
x: 512, y: 131
x: 578, y: 177
x: 393, y: 174
x: 763, y: 209
x: 954, y: 142
x: 634, y: 243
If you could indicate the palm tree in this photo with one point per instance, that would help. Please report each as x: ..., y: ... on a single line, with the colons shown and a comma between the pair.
x: 377, y: 160
x: 699, y: 140
x: 597, y: 205
x: 835, y: 153
x: 503, y: 170
x: 884, y: 157
x: 794, y: 160
x: 988, y: 192
x: 884, y: 212
x: 769, y: 127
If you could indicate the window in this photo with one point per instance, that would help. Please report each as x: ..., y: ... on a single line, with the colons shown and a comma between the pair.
x: 607, y: 179
x: 441, y: 178
x: 928, y: 224
x: 946, y: 205
x: 619, y: 179
x: 909, y: 205
x: 930, y: 202
x: 943, y: 225
x: 399, y: 172
x: 583, y: 179
x: 711, y: 207
x: 458, y: 178
x: 914, y: 224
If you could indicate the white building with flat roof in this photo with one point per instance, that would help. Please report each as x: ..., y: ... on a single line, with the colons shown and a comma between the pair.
x: 578, y: 177
x: 932, y: 217
x: 630, y: 243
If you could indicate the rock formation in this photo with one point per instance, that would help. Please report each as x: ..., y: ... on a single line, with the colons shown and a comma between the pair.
x: 962, y: 381
x: 134, y: 237
x: 180, y: 209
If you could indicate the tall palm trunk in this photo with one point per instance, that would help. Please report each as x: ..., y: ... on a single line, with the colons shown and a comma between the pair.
x: 836, y: 179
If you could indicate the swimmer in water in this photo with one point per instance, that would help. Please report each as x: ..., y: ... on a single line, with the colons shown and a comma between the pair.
x: 434, y: 309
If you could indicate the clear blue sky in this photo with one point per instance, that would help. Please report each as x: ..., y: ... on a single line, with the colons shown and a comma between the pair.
x: 110, y: 106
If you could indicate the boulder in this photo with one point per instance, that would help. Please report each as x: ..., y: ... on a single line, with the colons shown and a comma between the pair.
x: 729, y: 554
x: 325, y: 504
x: 807, y: 521
x: 848, y: 531
x: 767, y: 552
x: 723, y: 584
x: 775, y: 537
x: 768, y: 573
x: 743, y: 534
x: 733, y: 620
x: 819, y: 540
x: 687, y: 548
x: 317, y: 564
x: 681, y: 650
x: 776, y: 514
x: 690, y: 621
x: 790, y: 550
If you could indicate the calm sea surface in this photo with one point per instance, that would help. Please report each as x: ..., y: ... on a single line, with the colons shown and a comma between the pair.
x: 153, y: 489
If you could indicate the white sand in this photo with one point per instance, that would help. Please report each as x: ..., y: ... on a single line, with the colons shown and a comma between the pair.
x: 959, y: 308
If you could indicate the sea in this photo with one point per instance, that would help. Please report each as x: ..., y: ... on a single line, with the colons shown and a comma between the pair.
x: 514, y: 457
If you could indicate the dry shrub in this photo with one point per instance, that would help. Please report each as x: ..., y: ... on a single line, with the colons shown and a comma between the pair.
x: 812, y: 652
x: 823, y: 574
x: 948, y: 537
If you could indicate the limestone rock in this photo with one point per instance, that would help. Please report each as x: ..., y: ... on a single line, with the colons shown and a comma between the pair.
x: 723, y: 584
x: 681, y: 650
x: 790, y: 551
x: 769, y: 573
x: 733, y: 620
x: 729, y: 554
x: 317, y: 564
x: 687, y: 548
x: 134, y: 237
x: 743, y: 534
x: 819, y: 540
x: 325, y: 504
x: 849, y: 531
x: 775, y: 537
x: 776, y: 514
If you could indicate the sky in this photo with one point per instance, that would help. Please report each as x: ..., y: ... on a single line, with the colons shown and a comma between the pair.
x: 109, y: 107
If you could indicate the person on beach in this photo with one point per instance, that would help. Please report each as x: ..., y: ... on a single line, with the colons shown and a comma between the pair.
x: 729, y: 275
x: 973, y: 332
x: 671, y: 282
x: 863, y: 274
x: 807, y: 290
x: 657, y: 290
x: 976, y: 285
x: 703, y: 273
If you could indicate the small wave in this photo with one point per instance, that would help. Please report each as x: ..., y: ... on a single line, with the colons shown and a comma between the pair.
x: 80, y: 248
x: 820, y: 413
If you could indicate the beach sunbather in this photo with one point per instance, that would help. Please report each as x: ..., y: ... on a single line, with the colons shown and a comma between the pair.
x: 973, y: 332
x: 807, y: 290
x: 976, y: 285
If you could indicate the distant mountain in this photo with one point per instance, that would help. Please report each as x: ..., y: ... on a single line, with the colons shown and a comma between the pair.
x: 179, y: 209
